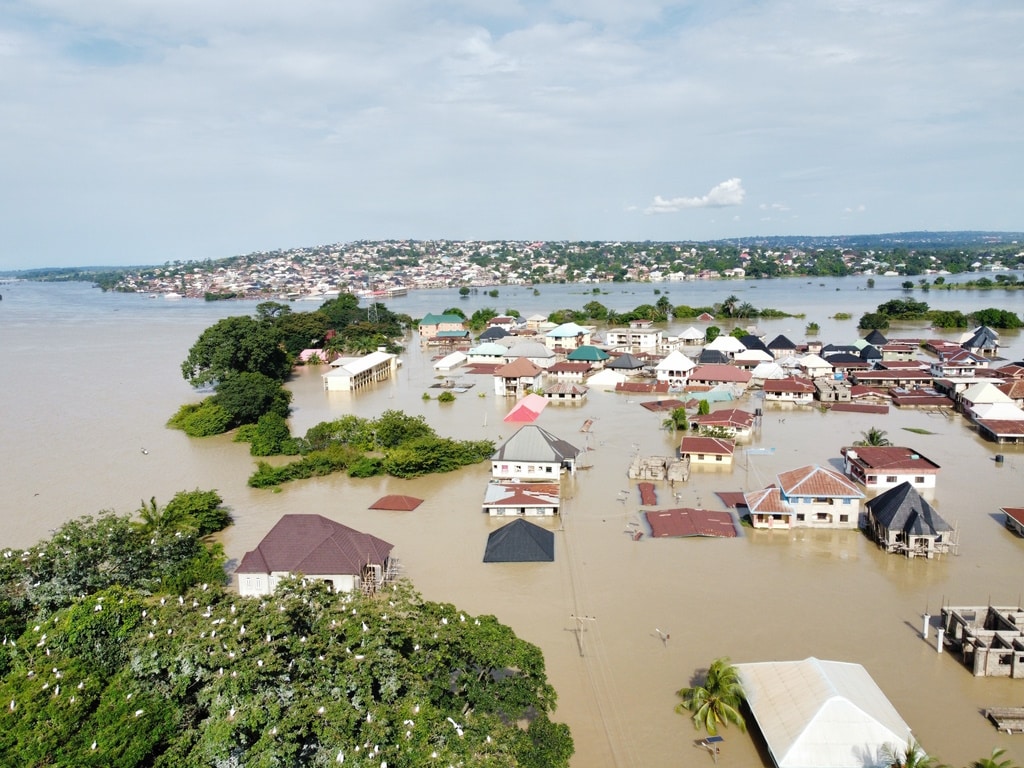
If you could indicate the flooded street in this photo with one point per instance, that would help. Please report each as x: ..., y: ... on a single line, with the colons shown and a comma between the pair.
x: 89, y: 388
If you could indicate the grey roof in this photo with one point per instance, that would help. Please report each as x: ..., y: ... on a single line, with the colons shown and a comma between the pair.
x: 528, y: 349
x: 870, y: 352
x: 753, y: 342
x: 520, y: 542
x: 902, y: 509
x: 835, y: 349
x: 533, y: 443
x: 314, y: 546
x: 625, y: 362
x: 712, y: 357
x: 983, y: 338
x: 494, y: 332
x: 781, y: 342
x: 876, y: 338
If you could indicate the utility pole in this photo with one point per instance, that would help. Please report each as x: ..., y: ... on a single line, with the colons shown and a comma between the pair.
x: 579, y: 630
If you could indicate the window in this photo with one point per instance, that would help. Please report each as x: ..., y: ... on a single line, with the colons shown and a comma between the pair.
x: 719, y: 458
x: 890, y: 478
x: 872, y: 480
x: 847, y: 501
x: 919, y: 479
x: 700, y: 457
x: 800, y: 517
x: 821, y: 517
x: 549, y: 469
x: 844, y: 518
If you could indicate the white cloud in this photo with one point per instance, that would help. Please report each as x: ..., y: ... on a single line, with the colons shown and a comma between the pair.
x: 253, y: 124
x: 855, y: 209
x: 722, y: 195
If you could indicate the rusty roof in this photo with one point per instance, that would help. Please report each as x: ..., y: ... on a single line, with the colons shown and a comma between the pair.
x: 687, y: 521
x: 814, y: 480
x: 890, y: 457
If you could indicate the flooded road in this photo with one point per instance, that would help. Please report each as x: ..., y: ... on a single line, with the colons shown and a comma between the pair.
x: 85, y: 391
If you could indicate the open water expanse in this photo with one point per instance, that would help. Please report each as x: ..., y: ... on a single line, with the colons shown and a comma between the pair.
x: 89, y: 380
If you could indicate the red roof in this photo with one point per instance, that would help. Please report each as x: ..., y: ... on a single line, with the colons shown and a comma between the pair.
x: 721, y: 373
x: 521, y: 367
x: 1016, y: 513
x: 788, y: 385
x: 713, y: 445
x: 397, y: 503
x: 690, y: 522
x: 813, y: 480
x: 890, y: 457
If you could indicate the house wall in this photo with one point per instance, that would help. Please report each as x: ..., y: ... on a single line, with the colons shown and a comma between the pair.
x: 261, y: 584
x: 716, y: 459
x: 771, y: 522
x: 526, y: 470
x: 812, y: 512
x: 885, y: 479
x: 540, y: 511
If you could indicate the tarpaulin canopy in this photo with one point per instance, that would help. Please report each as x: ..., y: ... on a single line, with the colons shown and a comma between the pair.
x: 527, y: 409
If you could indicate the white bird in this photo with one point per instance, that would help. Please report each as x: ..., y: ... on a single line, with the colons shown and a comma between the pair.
x: 365, y: 628
x: 321, y: 710
x: 340, y: 758
x: 94, y: 745
x: 139, y: 712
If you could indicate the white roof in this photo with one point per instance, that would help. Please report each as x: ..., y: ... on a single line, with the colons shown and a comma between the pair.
x: 765, y: 371
x: 822, y: 714
x: 726, y: 343
x: 754, y: 354
x: 692, y: 334
x: 675, y: 361
x: 984, y: 392
x: 530, y: 349
x: 450, y: 361
x: 350, y: 366
x: 1001, y: 411
x: 814, y: 361
x: 606, y: 378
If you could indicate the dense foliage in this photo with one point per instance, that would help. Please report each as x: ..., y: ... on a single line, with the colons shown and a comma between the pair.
x: 909, y: 309
x: 163, y: 551
x: 394, y: 443
x: 116, y: 672
x: 247, y: 360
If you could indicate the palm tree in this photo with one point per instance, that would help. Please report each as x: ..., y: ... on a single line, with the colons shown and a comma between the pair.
x: 873, y: 437
x: 715, y: 702
x: 993, y: 761
x: 912, y: 756
x: 729, y: 305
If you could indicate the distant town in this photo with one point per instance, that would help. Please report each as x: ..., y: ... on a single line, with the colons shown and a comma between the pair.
x: 371, y: 269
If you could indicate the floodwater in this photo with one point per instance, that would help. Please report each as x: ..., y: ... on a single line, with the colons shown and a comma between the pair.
x: 89, y: 380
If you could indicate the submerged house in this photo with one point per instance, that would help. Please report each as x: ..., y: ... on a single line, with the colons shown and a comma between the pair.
x: 511, y: 498
x: 990, y: 639
x: 900, y: 521
x: 533, y: 453
x: 353, y: 373
x: 314, y: 547
x: 808, y: 497
x: 520, y: 542
x: 888, y: 466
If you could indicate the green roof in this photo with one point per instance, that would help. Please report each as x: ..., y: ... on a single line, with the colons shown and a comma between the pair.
x: 587, y: 354
x: 438, y: 319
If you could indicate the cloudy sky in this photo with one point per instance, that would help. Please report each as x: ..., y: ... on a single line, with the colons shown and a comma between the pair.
x: 142, y: 131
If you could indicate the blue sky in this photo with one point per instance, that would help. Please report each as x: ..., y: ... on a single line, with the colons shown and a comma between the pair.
x: 142, y: 132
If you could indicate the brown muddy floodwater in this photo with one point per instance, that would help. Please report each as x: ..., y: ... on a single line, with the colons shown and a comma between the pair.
x: 76, y: 418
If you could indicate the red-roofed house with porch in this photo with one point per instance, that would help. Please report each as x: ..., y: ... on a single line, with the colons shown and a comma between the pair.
x: 790, y: 390
x: 808, y: 497
x: 314, y: 547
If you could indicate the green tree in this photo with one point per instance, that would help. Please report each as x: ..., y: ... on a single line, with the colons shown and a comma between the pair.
x: 729, y: 305
x: 247, y: 396
x: 873, y: 437
x: 677, y: 420
x: 873, y: 321
x: 910, y: 756
x: 464, y: 291
x: 201, y: 419
x: 236, y: 345
x: 993, y: 761
x: 271, y: 436
x: 704, y: 408
x: 716, y: 701
x: 595, y: 310
x: 301, y: 330
x: 712, y: 332
x: 812, y: 328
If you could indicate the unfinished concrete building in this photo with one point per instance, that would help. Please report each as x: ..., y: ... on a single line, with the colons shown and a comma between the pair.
x: 990, y: 640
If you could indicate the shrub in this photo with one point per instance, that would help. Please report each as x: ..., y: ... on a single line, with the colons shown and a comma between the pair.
x: 201, y: 419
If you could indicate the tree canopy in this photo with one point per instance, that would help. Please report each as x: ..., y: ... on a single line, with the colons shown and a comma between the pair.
x: 236, y: 345
x: 120, y: 672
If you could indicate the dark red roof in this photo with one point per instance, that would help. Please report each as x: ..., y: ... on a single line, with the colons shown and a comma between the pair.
x: 648, y: 497
x: 662, y: 405
x: 397, y: 503
x: 314, y: 546
x: 690, y: 522
x: 859, y: 408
